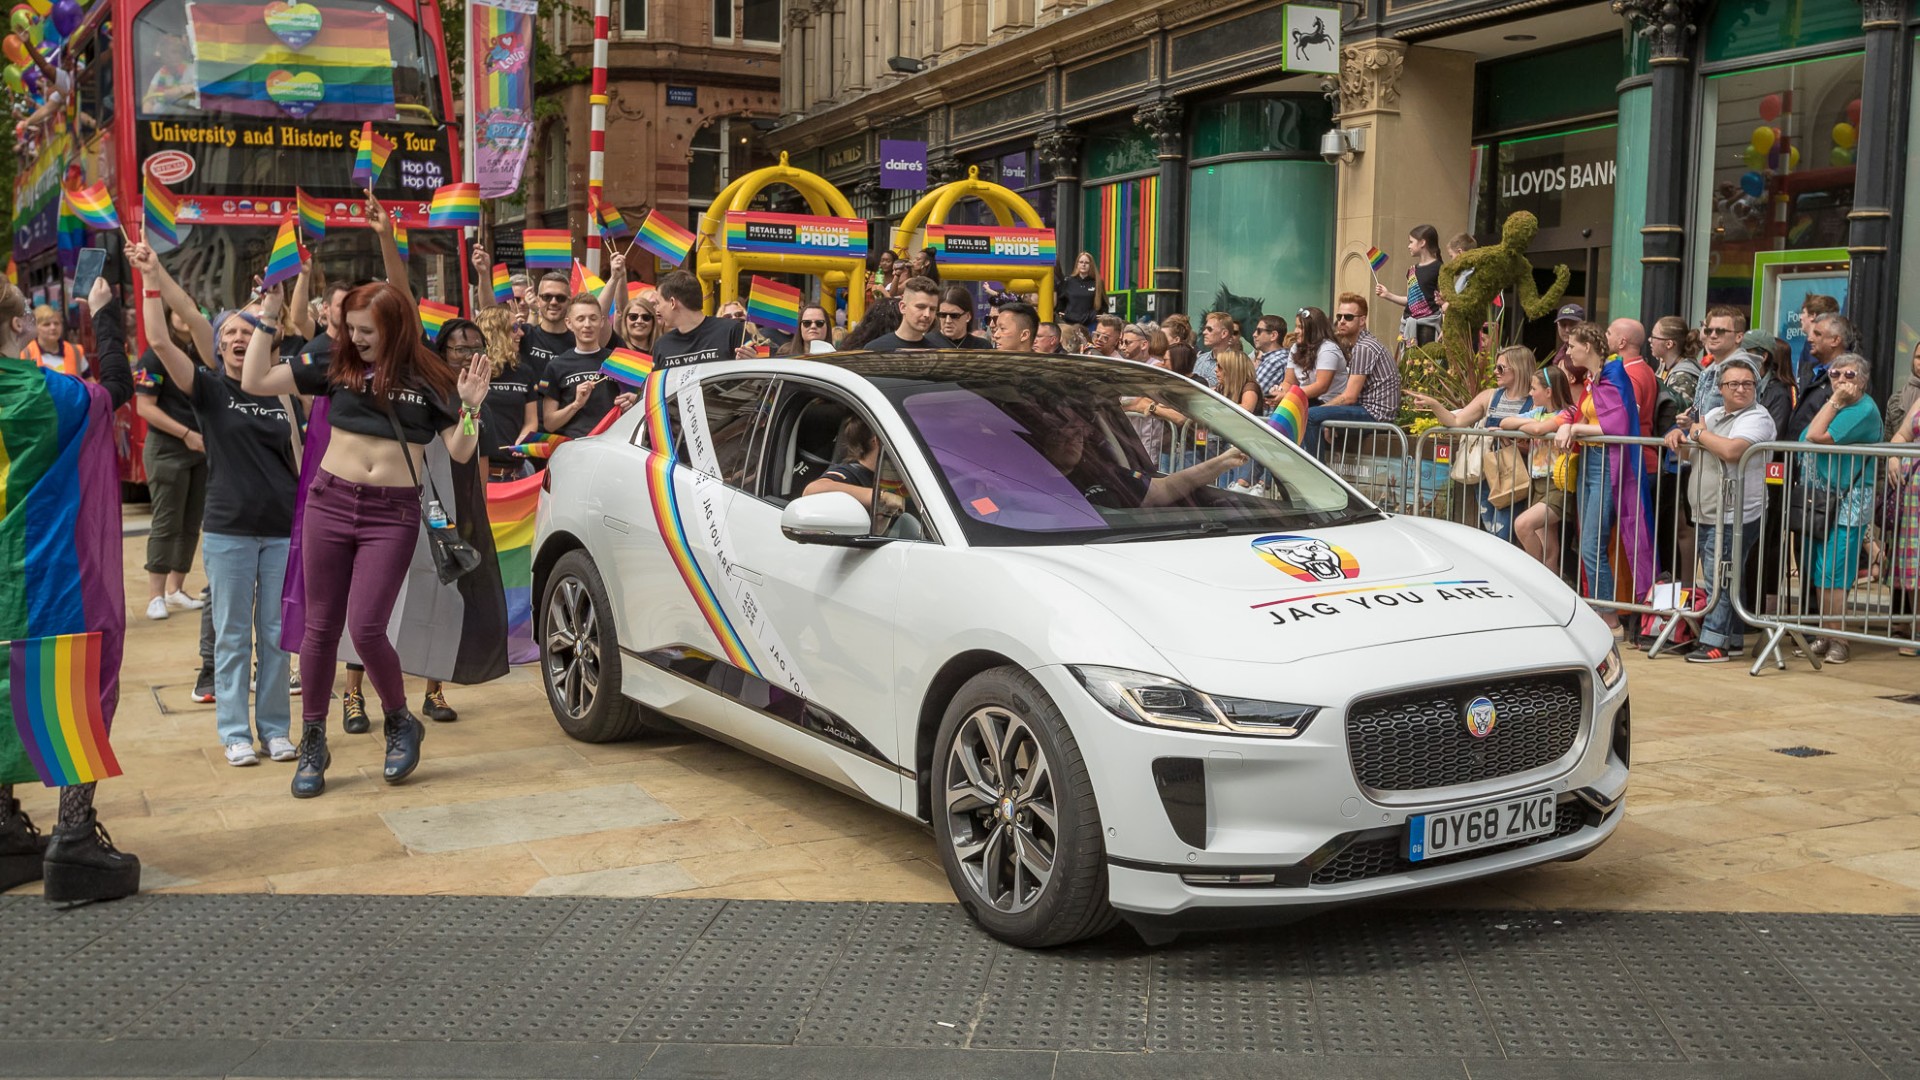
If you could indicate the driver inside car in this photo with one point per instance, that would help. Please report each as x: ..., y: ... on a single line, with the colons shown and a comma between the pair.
x: 1073, y: 443
x: 856, y: 476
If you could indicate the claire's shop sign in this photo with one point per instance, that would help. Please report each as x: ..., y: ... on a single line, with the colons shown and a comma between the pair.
x: 903, y: 165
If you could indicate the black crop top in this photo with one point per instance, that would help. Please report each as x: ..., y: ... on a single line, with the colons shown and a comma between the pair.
x: 422, y: 414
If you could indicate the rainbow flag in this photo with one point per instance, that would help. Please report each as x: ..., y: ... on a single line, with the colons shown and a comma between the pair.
x: 1129, y: 234
x: 313, y: 215
x: 434, y: 315
x: 667, y: 240
x: 1376, y: 259
x: 511, y: 507
x: 1290, y: 416
x: 400, y: 240
x: 371, y: 159
x: 162, y: 212
x: 637, y: 291
x: 540, y: 446
x: 286, y: 63
x: 288, y: 257
x: 629, y: 366
x: 611, y: 223
x: 770, y: 303
x: 502, y: 283
x: 55, y: 694
x: 454, y: 206
x: 585, y: 280
x: 547, y: 249
x: 62, y: 594
x: 92, y: 205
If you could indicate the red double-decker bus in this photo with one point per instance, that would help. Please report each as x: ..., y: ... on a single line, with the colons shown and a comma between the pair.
x: 232, y: 104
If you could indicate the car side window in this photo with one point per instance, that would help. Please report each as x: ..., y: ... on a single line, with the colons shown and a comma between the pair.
x: 737, y: 410
x: 808, y: 442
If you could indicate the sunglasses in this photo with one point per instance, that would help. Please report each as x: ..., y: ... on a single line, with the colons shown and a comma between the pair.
x: 813, y: 324
x: 953, y: 314
x: 639, y: 316
x: 1718, y: 330
x: 1845, y: 376
x: 739, y: 315
x: 1345, y: 318
x: 553, y: 298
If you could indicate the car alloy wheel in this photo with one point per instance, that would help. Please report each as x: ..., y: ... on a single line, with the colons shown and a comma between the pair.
x: 573, y: 647
x: 1000, y: 806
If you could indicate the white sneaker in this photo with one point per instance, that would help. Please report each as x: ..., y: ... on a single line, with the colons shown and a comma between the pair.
x: 157, y: 609
x: 281, y: 748
x: 241, y: 753
x: 293, y: 684
x: 177, y: 599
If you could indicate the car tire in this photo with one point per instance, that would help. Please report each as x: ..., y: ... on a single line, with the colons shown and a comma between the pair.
x: 580, y: 655
x: 1003, y: 737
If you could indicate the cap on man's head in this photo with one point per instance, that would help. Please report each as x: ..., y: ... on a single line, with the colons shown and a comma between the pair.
x: 1571, y: 313
x: 1757, y: 341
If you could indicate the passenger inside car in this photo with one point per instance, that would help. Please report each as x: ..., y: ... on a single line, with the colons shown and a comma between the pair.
x: 856, y: 472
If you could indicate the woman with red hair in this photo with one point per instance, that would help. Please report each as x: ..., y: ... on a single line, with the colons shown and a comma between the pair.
x: 388, y: 395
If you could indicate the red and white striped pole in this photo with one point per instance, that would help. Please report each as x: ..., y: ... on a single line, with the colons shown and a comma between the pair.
x: 597, y: 132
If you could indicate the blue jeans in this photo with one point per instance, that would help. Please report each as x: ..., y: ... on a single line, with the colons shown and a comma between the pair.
x: 1498, y: 520
x: 1722, y: 628
x: 247, y: 574
x: 1597, y: 513
x: 1320, y: 414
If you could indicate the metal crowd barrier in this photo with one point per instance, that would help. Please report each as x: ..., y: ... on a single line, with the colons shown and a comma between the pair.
x: 1830, y: 549
x: 1372, y: 456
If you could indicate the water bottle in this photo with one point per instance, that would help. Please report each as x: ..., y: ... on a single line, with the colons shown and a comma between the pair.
x: 436, y: 514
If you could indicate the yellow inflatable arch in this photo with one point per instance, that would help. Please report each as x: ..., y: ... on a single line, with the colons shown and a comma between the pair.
x: 719, y: 266
x: 1023, y: 258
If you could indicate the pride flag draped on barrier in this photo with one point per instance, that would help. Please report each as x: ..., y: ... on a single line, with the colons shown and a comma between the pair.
x: 62, y: 576
x: 510, y: 509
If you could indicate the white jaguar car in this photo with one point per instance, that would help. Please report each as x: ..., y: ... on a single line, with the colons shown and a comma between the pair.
x: 1182, y: 685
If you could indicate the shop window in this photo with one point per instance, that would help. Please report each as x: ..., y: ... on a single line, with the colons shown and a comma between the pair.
x: 723, y: 20
x: 705, y: 171
x: 1908, y: 306
x: 1118, y: 151
x: 1755, y: 27
x: 1777, y: 150
x: 1270, y: 124
x: 1121, y: 227
x: 1253, y: 264
x: 554, y: 161
x: 1550, y: 86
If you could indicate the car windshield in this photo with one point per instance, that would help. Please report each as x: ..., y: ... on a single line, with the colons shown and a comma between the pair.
x: 1080, y: 452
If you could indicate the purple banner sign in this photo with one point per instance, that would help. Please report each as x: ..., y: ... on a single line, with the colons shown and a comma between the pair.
x: 1014, y: 171
x: 903, y: 165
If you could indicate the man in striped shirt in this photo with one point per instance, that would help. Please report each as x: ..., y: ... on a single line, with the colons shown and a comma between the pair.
x: 1372, y: 392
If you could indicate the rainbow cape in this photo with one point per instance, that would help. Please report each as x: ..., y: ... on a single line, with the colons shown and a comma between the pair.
x: 1290, y: 416
x: 370, y: 160
x: 93, y: 206
x: 278, y: 64
x: 287, y: 259
x: 510, y: 512
x: 547, y: 249
x: 434, y: 315
x: 585, y: 280
x: 629, y: 366
x: 162, y: 212
x: 60, y: 576
x: 502, y: 283
x: 770, y: 303
x: 454, y: 206
x: 667, y: 240
x: 313, y: 215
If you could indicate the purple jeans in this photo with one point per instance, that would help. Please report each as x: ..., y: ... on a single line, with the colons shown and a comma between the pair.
x: 356, y: 543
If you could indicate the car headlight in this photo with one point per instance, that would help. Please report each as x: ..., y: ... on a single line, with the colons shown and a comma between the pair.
x: 1610, y: 670
x: 1156, y: 701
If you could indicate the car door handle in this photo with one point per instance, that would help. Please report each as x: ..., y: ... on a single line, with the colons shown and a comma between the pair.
x: 615, y: 523
x: 751, y: 577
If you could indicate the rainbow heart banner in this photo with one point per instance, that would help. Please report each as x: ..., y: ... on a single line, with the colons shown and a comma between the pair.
x: 666, y: 239
x: 547, y: 249
x: 1290, y: 416
x: 585, y: 280
x: 313, y: 216
x: 796, y: 234
x: 540, y: 446
x: 454, y: 206
x: 502, y: 283
x: 500, y: 116
x: 370, y: 159
x: 54, y: 685
x: 770, y: 303
x: 245, y: 61
x: 160, y: 212
x: 93, y: 206
x: 511, y: 508
x: 287, y: 259
x: 611, y: 223
x: 434, y: 315
x: 629, y: 366
x: 991, y: 245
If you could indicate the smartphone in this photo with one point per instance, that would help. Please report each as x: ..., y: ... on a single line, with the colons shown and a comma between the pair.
x: 93, y: 261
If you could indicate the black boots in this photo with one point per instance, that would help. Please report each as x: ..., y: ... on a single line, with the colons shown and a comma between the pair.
x: 310, y: 775
x: 22, y: 848
x: 435, y: 708
x: 404, y: 731
x: 83, y: 866
x: 353, y: 713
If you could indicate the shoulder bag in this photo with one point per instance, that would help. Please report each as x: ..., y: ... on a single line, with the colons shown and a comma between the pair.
x: 453, y: 558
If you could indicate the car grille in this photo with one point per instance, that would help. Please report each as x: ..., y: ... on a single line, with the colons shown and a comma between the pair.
x: 1384, y: 855
x: 1418, y: 739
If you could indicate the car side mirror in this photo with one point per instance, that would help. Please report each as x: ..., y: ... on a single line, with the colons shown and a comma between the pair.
x: 831, y: 517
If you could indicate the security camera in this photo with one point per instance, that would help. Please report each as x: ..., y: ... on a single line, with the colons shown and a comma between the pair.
x: 1341, y: 145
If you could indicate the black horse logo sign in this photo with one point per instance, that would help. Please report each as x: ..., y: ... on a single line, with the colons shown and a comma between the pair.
x: 1304, y: 40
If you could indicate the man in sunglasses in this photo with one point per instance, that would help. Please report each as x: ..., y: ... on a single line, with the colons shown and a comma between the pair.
x: 1372, y: 391
x: 547, y: 335
x: 1721, y: 333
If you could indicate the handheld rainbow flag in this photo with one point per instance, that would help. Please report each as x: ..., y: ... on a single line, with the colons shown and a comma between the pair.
x: 1376, y: 259
x: 55, y: 683
x: 611, y: 223
x: 434, y: 315
x: 637, y: 291
x: 540, y: 446
x: 371, y: 158
x: 770, y: 303
x: 313, y: 216
x: 502, y: 283
x: 668, y: 241
x: 585, y: 280
x: 1290, y: 416
x: 454, y: 206
x: 288, y: 257
x: 400, y: 240
x: 630, y: 366
x: 162, y: 212
x: 93, y: 206
x: 511, y: 506
x: 547, y: 249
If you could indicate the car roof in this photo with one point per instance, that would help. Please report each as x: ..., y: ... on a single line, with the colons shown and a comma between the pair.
x: 929, y: 365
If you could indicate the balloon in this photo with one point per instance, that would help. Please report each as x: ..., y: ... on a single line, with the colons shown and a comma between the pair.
x: 66, y: 16
x: 1753, y: 184
x: 1770, y: 106
x: 16, y: 52
x: 1754, y: 157
x: 1845, y: 135
x: 1763, y: 138
x: 22, y: 18
x: 12, y: 78
x: 31, y: 76
x: 1793, y: 157
x: 1853, y: 112
x: 1839, y: 155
